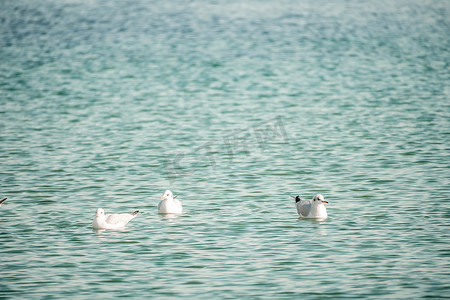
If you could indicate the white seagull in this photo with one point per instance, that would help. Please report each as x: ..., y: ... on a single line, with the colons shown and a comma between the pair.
x: 169, y: 205
x: 311, y: 209
x: 113, y: 221
x: 1, y: 201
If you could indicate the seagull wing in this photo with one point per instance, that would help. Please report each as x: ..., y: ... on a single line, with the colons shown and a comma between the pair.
x: 304, y: 208
x: 178, y: 203
x: 119, y: 218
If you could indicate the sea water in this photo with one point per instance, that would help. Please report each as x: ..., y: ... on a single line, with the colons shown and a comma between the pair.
x: 234, y: 106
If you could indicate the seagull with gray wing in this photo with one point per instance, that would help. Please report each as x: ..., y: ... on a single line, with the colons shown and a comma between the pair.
x: 112, y: 221
x: 311, y: 209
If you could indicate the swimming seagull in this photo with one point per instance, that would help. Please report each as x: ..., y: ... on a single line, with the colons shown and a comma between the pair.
x: 169, y: 205
x: 113, y: 221
x: 311, y: 209
x: 1, y: 201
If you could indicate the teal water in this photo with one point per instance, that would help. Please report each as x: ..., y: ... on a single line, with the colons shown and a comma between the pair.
x: 233, y: 106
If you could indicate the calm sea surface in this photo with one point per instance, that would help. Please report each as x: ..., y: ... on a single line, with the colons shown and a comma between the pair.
x: 234, y: 106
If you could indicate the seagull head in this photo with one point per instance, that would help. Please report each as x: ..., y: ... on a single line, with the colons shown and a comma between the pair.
x: 319, y: 199
x: 167, y: 195
x: 100, y: 212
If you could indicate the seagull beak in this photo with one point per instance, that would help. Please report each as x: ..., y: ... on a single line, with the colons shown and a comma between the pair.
x: 162, y: 197
x: 97, y: 214
x: 324, y: 201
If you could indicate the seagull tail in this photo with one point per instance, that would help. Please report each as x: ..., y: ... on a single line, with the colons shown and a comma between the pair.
x: 3, y: 200
x: 135, y: 213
